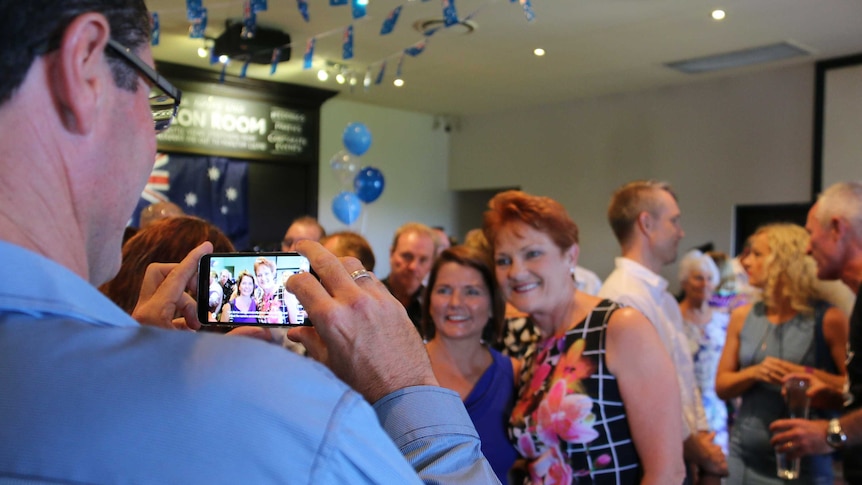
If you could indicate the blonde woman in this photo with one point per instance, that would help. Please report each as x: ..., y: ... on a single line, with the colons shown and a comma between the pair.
x: 788, y: 331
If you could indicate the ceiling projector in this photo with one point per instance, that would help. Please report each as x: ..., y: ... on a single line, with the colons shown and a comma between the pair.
x: 257, y: 49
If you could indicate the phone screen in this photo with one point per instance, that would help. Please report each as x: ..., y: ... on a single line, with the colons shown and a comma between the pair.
x: 249, y: 289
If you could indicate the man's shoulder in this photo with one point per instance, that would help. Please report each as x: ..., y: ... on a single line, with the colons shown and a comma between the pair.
x: 168, y: 394
x: 621, y: 282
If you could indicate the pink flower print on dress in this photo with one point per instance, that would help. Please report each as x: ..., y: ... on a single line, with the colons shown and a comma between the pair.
x: 572, y: 366
x: 525, y: 445
x: 603, y: 460
x: 539, y: 376
x: 550, y: 468
x: 565, y: 417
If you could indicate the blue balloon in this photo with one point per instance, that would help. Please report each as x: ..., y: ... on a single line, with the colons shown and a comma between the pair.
x: 346, y: 206
x: 357, y: 139
x: 368, y: 184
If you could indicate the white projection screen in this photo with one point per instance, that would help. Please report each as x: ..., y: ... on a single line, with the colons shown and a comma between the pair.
x: 838, y: 122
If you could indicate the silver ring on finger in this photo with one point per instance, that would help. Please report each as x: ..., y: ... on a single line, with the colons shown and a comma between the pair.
x: 360, y: 273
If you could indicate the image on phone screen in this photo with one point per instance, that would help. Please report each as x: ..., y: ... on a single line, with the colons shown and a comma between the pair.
x: 250, y: 289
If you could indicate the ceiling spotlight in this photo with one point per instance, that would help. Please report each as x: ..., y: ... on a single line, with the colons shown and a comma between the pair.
x: 322, y: 75
x: 203, y: 52
x: 362, y: 2
x: 398, y: 82
x: 339, y: 78
x: 718, y: 14
x: 539, y: 51
x: 223, y: 59
x: 367, y: 81
x: 353, y: 80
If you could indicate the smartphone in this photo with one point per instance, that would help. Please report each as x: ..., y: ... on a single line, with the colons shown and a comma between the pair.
x: 236, y: 289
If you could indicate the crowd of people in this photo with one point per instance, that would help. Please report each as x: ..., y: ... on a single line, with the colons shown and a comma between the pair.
x: 497, y: 360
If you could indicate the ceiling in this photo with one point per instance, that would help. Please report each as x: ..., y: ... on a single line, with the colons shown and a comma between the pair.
x: 594, y: 47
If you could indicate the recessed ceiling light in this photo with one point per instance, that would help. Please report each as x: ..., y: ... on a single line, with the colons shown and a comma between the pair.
x: 203, y: 53
x: 223, y: 59
x: 339, y: 78
x: 322, y: 75
x: 398, y: 82
x: 539, y: 51
x: 718, y: 14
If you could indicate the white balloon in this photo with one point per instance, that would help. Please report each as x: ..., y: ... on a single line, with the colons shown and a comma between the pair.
x: 345, y: 166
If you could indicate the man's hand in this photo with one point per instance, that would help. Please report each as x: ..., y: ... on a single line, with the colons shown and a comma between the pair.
x: 800, y: 437
x: 713, y: 461
x: 360, y: 330
x: 163, y: 293
x: 823, y: 395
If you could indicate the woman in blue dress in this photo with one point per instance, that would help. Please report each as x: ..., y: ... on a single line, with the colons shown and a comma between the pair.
x: 788, y: 331
x: 241, y: 308
x: 462, y: 316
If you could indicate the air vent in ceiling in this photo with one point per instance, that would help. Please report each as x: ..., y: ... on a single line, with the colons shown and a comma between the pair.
x: 746, y: 57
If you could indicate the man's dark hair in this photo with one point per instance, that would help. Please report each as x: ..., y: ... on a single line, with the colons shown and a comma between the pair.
x: 33, y: 27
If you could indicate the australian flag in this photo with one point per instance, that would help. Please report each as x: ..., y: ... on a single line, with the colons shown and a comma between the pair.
x: 391, y: 19
x: 528, y: 10
x: 358, y: 7
x: 302, y: 5
x: 380, y: 73
x: 212, y: 188
x: 450, y: 14
x: 309, y: 53
x: 347, y: 48
x: 416, y: 49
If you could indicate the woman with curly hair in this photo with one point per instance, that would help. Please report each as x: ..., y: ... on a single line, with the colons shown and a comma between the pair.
x: 788, y: 331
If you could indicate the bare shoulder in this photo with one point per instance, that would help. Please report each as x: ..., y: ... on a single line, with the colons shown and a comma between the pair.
x: 834, y: 315
x: 835, y: 322
x: 627, y: 317
x: 742, y: 310
x: 631, y: 341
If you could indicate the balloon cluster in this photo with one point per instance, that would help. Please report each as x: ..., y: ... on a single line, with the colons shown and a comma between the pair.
x: 359, y: 185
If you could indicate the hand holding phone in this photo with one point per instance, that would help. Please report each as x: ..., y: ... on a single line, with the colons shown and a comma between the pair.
x: 163, y: 293
x: 354, y: 320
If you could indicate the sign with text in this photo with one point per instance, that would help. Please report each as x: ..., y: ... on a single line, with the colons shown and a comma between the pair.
x: 239, y: 128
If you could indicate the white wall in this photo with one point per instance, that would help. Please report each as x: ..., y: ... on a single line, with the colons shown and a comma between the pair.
x: 413, y: 157
x: 738, y: 140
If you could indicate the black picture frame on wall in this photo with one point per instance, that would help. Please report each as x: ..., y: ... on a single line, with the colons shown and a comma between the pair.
x: 283, y: 184
x: 821, y: 163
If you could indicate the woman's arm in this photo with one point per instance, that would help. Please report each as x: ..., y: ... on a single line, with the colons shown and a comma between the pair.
x: 730, y: 381
x: 648, y: 385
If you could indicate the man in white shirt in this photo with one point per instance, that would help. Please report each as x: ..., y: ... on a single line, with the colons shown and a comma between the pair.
x: 644, y: 216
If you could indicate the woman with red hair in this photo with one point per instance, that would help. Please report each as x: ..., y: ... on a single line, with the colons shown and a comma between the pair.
x: 593, y: 400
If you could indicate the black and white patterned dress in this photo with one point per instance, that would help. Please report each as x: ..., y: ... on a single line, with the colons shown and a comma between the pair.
x: 569, y: 420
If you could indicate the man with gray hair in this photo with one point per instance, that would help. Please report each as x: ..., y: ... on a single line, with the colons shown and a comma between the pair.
x: 644, y: 216
x: 835, y: 226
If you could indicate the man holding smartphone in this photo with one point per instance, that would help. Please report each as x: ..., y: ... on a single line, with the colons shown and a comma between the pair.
x: 89, y: 395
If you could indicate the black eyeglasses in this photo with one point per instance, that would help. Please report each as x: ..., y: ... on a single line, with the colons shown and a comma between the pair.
x: 164, y: 96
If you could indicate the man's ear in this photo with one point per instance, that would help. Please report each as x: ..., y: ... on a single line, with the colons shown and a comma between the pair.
x: 838, y: 228
x: 644, y: 222
x: 80, y: 74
